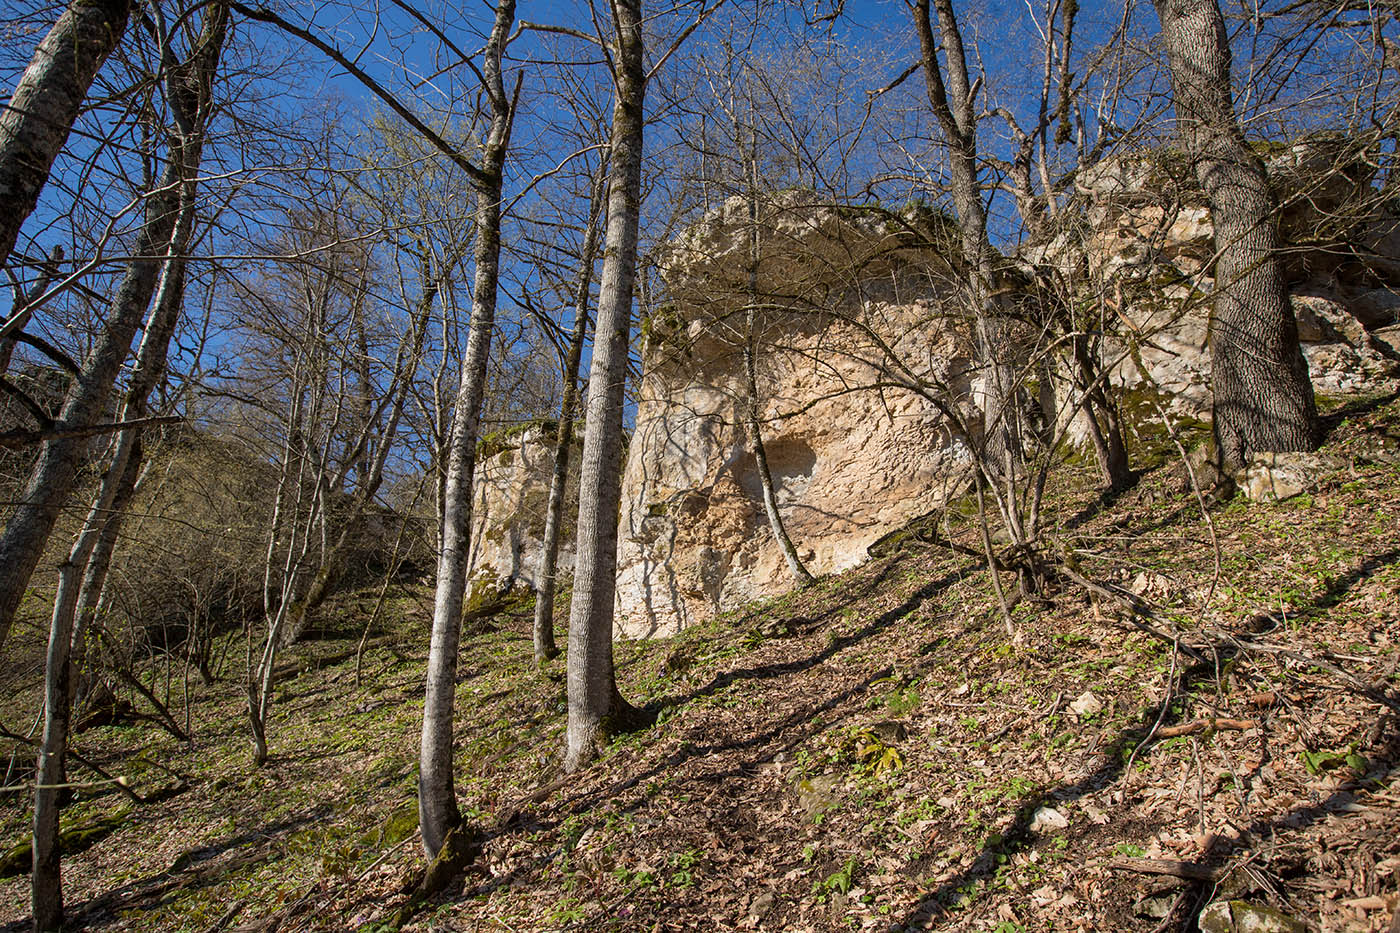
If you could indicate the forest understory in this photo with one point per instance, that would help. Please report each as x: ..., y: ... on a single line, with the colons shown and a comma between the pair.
x: 874, y: 752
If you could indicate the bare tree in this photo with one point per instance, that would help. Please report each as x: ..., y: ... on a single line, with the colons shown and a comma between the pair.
x: 595, y: 705
x: 438, y: 815
x: 189, y: 87
x: 545, y: 648
x: 52, y: 477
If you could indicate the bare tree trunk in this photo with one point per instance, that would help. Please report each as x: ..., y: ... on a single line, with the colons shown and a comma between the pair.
x: 751, y: 413
x: 595, y: 706
x: 765, y: 476
x: 51, y: 480
x: 953, y: 99
x: 35, y: 123
x: 370, y: 469
x: 1263, y: 395
x: 437, y: 796
x: 189, y: 87
x: 1105, y: 425
x: 545, y: 648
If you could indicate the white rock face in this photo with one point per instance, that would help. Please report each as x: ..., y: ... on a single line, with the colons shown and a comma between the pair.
x: 1149, y: 253
x: 855, y: 454
x: 510, y: 498
x: 851, y: 460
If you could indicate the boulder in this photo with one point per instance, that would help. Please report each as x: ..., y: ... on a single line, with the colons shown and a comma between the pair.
x: 1246, y: 917
x: 1273, y: 477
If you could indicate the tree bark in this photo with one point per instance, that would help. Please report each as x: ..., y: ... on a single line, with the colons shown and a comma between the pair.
x: 953, y: 100
x: 35, y: 123
x: 189, y: 87
x: 545, y: 648
x: 595, y: 706
x: 1263, y: 394
x: 437, y: 795
x: 751, y: 414
x: 52, y: 477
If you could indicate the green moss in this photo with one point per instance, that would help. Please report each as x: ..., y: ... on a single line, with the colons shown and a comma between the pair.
x: 397, y: 826
x: 661, y: 324
x: 508, y: 437
x: 1148, y: 437
x: 19, y: 858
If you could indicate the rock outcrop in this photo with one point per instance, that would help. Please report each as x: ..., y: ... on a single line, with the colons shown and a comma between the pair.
x: 854, y: 447
x: 1148, y: 257
x: 510, y: 498
x: 865, y: 382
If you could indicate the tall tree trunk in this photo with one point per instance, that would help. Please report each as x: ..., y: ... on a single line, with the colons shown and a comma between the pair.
x: 1263, y: 395
x: 953, y: 99
x: 595, y: 706
x: 35, y: 123
x: 545, y: 648
x: 51, y: 480
x: 189, y: 90
x: 437, y: 796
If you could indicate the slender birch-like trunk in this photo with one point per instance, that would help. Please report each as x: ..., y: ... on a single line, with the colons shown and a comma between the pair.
x: 751, y: 405
x: 545, y: 648
x: 189, y: 89
x: 952, y: 98
x: 438, y: 814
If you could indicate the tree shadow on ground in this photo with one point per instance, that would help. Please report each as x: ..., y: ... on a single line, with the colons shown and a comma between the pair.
x: 192, y: 871
x: 836, y: 645
x: 1018, y: 835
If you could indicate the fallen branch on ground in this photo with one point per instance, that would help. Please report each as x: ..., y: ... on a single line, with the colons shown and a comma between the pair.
x: 1192, y: 871
x: 1206, y: 725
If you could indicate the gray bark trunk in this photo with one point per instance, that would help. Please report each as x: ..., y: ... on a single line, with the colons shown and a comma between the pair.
x: 751, y: 419
x: 1263, y: 394
x: 35, y: 123
x: 51, y: 480
x: 189, y: 85
x: 765, y: 476
x: 594, y: 703
x: 953, y: 102
x: 437, y: 795
x: 545, y: 648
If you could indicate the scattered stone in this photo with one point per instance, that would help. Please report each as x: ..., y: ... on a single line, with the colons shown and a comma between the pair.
x: 762, y: 906
x: 1246, y: 917
x: 1273, y: 477
x: 1048, y: 818
x: 1376, y: 448
x: 889, y: 731
x: 1086, y: 704
x: 816, y: 795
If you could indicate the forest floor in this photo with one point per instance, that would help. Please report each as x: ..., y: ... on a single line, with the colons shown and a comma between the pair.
x: 875, y: 752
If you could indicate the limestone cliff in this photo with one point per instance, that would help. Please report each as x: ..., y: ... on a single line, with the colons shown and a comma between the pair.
x: 510, y: 498
x: 865, y: 382
x: 1148, y: 256
x: 853, y: 314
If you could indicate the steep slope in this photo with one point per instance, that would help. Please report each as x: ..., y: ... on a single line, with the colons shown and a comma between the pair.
x: 873, y: 753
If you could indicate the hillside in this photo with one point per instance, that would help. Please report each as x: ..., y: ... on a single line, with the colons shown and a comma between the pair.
x: 873, y: 753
